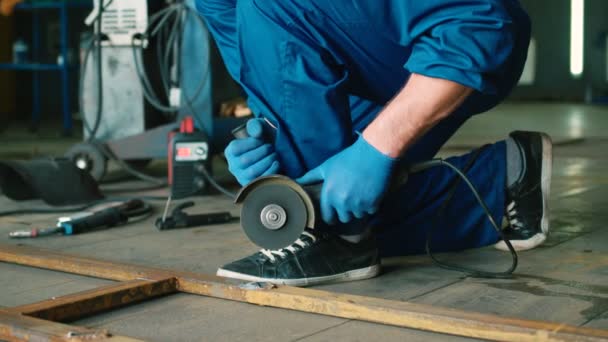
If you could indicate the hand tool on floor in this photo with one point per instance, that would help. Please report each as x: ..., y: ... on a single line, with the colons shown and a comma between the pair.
x: 179, y: 219
x: 105, y: 218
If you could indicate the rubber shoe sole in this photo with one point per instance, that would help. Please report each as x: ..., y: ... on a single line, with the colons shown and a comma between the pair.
x: 358, y: 274
x: 545, y: 176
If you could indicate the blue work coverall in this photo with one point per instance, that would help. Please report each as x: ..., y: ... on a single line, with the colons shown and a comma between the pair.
x: 321, y: 70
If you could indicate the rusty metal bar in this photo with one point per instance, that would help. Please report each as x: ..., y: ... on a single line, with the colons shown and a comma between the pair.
x: 17, y: 328
x: 78, y: 305
x: 402, y: 314
x: 58, y: 261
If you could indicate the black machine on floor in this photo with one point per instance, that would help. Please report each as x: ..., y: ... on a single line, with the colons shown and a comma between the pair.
x: 179, y: 219
x: 188, y: 158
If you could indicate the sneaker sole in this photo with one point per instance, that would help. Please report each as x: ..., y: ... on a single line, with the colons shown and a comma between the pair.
x: 358, y: 274
x: 545, y: 177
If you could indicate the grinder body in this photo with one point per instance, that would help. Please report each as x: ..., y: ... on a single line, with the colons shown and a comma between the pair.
x: 275, y: 210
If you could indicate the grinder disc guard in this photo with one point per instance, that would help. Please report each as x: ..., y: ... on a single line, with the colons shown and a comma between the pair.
x: 273, y: 213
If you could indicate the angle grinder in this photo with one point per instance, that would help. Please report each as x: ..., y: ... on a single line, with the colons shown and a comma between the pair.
x: 275, y: 210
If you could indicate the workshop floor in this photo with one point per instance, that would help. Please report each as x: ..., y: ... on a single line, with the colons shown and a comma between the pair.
x: 565, y: 281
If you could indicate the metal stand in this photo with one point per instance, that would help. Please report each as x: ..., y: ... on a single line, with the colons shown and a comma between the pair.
x: 138, y: 283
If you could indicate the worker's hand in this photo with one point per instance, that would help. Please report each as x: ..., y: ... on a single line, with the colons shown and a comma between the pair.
x: 251, y: 157
x: 355, y: 180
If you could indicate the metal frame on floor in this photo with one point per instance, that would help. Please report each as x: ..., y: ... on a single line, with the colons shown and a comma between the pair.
x: 44, y: 320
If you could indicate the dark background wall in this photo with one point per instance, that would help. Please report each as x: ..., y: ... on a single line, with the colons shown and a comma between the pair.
x: 551, y: 29
x: 595, y: 45
x: 7, y: 78
x: 51, y: 105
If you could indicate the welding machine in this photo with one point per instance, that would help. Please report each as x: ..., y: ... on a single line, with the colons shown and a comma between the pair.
x: 188, y: 160
x: 148, y: 68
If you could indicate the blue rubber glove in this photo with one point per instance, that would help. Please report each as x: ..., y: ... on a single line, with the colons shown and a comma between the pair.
x: 355, y: 180
x: 251, y: 157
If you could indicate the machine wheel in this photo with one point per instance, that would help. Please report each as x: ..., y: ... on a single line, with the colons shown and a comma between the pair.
x: 88, y: 157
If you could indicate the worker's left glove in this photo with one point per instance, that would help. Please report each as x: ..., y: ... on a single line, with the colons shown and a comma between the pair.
x: 251, y: 157
x: 355, y: 181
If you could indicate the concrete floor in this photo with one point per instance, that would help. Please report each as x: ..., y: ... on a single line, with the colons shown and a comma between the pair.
x: 562, y: 281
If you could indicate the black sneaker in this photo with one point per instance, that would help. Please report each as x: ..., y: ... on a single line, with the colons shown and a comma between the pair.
x: 314, y: 258
x: 528, y: 199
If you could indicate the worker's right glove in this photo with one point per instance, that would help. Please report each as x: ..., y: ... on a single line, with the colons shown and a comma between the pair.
x: 251, y: 157
x: 354, y: 182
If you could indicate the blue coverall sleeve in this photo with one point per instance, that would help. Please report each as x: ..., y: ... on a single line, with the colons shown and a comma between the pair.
x: 464, y: 41
x: 294, y: 83
x: 220, y: 16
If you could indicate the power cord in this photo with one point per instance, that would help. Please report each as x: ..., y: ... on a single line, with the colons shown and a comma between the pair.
x: 168, y: 26
x: 216, y: 185
x: 96, y: 42
x: 463, y: 177
x: 108, y: 153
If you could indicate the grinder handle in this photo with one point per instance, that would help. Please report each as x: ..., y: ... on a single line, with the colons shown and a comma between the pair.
x: 240, y: 132
x: 314, y: 190
x: 399, y: 179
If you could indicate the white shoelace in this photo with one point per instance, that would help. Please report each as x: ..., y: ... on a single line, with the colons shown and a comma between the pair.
x: 512, y: 215
x: 282, y: 253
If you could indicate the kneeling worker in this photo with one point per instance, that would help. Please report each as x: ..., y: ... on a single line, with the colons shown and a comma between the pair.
x: 348, y: 91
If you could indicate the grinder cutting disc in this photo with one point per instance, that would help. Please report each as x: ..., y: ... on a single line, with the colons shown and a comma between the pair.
x: 273, y: 215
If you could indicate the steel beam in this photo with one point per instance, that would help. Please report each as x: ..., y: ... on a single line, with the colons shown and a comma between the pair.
x: 397, y: 313
x: 15, y: 327
x: 79, y: 305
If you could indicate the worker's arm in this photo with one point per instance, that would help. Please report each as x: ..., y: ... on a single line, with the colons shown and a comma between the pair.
x: 420, y: 105
x: 465, y: 41
x: 459, y: 46
x: 356, y: 179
